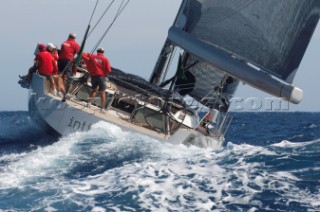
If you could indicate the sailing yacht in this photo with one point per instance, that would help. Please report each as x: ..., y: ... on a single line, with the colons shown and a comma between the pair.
x: 223, y: 42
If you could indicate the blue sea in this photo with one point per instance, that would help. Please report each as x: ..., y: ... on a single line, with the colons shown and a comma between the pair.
x: 269, y: 162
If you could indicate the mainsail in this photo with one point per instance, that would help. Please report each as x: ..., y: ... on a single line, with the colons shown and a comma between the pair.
x: 258, y: 42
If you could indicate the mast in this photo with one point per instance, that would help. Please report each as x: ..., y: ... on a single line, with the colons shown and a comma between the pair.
x: 160, y: 68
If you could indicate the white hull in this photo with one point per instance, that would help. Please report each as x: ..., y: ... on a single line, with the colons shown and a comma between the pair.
x: 62, y: 118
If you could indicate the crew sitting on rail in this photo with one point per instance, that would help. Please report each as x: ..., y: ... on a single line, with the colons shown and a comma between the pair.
x: 44, y: 63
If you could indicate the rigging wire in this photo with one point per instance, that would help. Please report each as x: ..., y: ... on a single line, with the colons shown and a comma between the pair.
x: 93, y: 12
x: 120, y: 10
x: 103, y: 14
x: 85, y: 37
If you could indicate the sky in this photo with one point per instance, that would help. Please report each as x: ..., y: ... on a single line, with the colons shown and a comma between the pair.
x: 133, y: 43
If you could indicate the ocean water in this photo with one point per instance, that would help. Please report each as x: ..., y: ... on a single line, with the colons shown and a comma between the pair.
x: 269, y: 162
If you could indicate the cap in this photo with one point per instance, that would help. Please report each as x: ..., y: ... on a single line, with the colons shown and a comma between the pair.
x: 72, y: 35
x: 100, y: 49
x: 42, y: 46
x: 51, y: 45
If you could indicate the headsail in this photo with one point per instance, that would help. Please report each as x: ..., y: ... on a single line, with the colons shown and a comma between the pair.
x: 256, y: 41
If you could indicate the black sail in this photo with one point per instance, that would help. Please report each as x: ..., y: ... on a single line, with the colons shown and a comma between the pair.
x: 250, y: 40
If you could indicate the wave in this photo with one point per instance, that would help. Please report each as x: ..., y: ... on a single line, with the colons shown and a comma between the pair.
x: 110, y: 169
x: 19, y: 134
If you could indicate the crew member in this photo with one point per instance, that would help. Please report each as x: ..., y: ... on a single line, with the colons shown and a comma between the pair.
x: 44, y: 63
x: 69, y: 49
x: 99, y: 67
x: 55, y: 74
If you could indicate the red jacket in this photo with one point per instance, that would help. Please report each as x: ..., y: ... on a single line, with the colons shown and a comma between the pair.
x: 55, y: 64
x: 45, y: 62
x: 98, y: 65
x: 69, y: 48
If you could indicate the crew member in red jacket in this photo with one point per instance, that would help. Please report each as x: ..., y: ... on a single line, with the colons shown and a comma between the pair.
x: 44, y: 63
x: 55, y: 73
x: 99, y: 67
x: 69, y: 49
